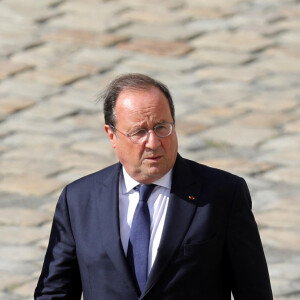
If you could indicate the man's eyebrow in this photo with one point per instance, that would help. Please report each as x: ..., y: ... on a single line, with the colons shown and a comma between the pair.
x: 141, y: 125
x: 162, y: 121
x: 138, y: 126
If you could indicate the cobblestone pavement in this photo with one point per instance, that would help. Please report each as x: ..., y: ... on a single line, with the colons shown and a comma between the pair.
x: 232, y: 66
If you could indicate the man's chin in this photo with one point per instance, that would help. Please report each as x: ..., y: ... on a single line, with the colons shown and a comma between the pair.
x: 154, y: 173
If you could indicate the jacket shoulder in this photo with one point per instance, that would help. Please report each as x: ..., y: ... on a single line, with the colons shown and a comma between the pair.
x: 95, y: 178
x: 210, y: 174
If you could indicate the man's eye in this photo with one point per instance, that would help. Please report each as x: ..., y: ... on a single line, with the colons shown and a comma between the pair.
x: 140, y: 132
x: 161, y: 127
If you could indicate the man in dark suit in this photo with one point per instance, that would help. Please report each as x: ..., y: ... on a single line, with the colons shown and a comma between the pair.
x: 194, y: 237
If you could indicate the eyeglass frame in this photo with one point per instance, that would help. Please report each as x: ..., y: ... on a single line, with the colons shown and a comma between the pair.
x: 130, y: 134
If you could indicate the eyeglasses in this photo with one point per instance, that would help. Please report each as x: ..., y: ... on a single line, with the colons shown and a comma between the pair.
x: 139, y: 136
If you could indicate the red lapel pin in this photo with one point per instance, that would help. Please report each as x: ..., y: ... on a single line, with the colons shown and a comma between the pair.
x: 191, y: 197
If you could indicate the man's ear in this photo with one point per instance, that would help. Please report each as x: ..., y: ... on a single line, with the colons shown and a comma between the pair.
x: 111, y: 135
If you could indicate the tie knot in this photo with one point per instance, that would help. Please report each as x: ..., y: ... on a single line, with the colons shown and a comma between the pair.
x: 145, y: 190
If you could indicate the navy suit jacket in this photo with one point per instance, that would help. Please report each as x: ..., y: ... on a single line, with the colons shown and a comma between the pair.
x: 210, y: 244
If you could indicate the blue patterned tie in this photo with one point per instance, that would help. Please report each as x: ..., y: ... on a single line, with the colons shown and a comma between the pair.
x: 138, y: 245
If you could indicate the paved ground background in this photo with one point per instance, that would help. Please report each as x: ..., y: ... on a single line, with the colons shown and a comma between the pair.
x: 233, y: 69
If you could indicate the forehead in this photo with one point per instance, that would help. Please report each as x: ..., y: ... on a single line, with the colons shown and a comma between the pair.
x: 148, y: 100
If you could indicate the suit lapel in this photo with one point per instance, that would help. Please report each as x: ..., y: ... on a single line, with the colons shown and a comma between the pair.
x: 108, y: 204
x: 181, y: 209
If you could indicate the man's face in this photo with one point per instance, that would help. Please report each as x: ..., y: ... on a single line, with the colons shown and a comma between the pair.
x: 152, y: 159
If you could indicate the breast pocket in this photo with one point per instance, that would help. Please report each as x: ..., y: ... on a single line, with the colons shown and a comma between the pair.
x: 201, y: 249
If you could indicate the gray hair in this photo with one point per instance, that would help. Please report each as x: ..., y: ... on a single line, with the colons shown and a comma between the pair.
x: 131, y: 81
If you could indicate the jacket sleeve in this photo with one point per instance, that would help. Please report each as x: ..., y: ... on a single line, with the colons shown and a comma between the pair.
x: 60, y: 278
x: 247, y: 263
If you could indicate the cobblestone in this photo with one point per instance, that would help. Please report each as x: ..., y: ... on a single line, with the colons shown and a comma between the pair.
x: 9, y: 69
x: 246, y: 137
x: 11, y: 105
x: 84, y: 37
x: 217, y: 57
x: 22, y: 216
x: 155, y: 47
x: 13, y: 236
x: 156, y: 15
x: 241, y: 41
x: 232, y: 67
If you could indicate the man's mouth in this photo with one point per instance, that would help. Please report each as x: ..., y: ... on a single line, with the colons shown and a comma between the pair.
x: 154, y: 158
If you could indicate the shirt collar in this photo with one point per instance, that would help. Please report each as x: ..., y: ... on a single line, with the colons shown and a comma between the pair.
x: 130, y: 183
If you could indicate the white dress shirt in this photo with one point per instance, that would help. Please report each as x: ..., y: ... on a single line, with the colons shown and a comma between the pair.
x: 157, y: 203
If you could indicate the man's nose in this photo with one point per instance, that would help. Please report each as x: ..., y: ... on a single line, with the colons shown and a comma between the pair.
x: 153, y: 141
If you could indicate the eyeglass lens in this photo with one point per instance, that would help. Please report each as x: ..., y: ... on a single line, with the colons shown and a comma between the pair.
x: 161, y: 130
